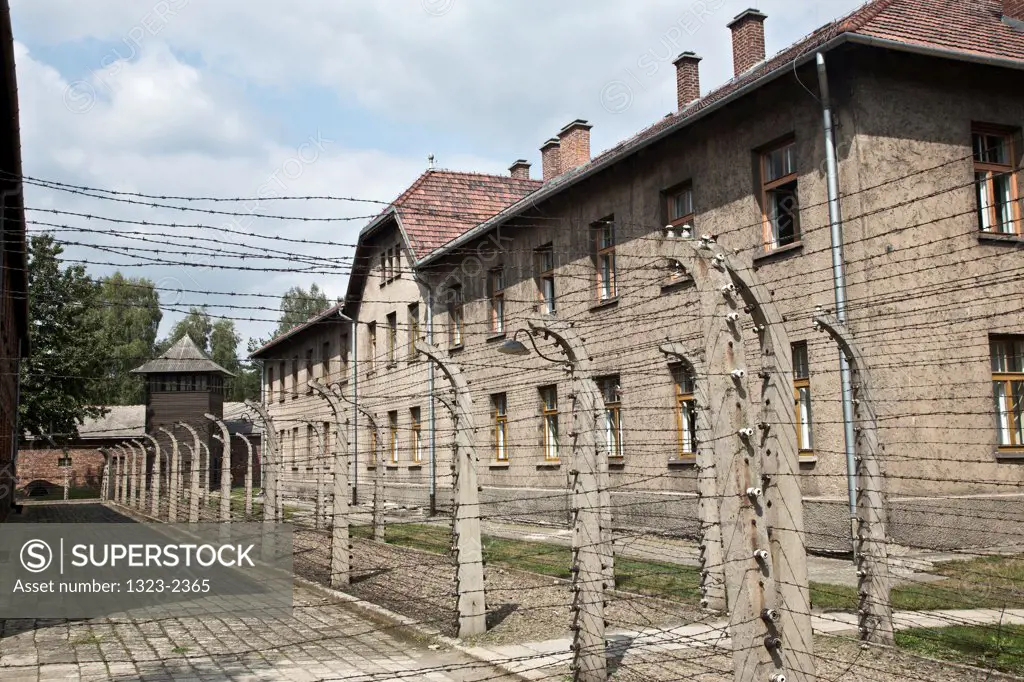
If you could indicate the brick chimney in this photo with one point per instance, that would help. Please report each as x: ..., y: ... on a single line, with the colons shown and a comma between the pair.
x: 747, y: 40
x: 520, y: 170
x: 1013, y: 11
x: 551, y: 158
x: 688, y: 78
x: 575, y: 144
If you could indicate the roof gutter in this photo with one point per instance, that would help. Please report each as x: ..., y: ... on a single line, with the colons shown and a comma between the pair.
x: 545, y: 193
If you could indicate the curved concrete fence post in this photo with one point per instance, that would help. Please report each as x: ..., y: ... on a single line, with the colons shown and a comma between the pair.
x: 761, y: 503
x: 271, y: 463
x: 248, y: 474
x: 875, y: 609
x: 225, y: 469
x: 378, y: 468
x: 712, y: 573
x: 173, y: 477
x: 193, y: 502
x: 341, y: 556
x: 140, y: 496
x: 466, y: 521
x: 154, y: 482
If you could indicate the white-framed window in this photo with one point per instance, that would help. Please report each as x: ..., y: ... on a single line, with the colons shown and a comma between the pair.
x: 549, y: 423
x: 611, y: 393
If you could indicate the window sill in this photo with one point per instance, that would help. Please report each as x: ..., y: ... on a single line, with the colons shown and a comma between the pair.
x: 780, y: 252
x: 607, y: 303
x: 495, y: 336
x: 682, y: 461
x: 549, y: 464
x: 1000, y: 238
x: 391, y: 365
x: 456, y: 348
x: 1010, y: 454
x: 415, y: 466
x: 674, y: 285
x: 295, y: 469
x: 808, y: 459
x: 371, y: 467
x: 392, y: 466
x: 498, y: 465
x: 616, y: 462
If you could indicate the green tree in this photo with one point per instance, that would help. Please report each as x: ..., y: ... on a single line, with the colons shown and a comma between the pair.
x: 61, y: 377
x: 298, y: 305
x: 197, y: 324
x: 127, y: 312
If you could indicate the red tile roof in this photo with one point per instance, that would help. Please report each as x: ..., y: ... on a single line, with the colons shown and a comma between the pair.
x: 443, y: 204
x: 968, y: 27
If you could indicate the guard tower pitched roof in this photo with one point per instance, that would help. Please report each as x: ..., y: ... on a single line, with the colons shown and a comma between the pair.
x: 182, y: 357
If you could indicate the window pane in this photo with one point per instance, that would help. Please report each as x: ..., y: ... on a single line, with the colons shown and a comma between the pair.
x: 689, y: 417
x: 1002, y: 413
x: 804, y: 417
x: 1007, y: 355
x: 1017, y: 410
x: 1004, y: 202
x: 547, y: 260
x: 779, y: 162
x: 548, y: 290
x: 782, y: 214
x: 800, y: 370
x: 682, y: 204
x: 991, y: 148
x: 984, y: 204
x: 607, y: 276
x: 551, y: 439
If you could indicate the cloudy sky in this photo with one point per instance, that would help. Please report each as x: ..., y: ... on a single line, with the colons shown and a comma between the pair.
x: 236, y: 98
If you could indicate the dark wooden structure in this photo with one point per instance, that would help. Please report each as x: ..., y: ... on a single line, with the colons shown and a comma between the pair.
x: 183, y: 385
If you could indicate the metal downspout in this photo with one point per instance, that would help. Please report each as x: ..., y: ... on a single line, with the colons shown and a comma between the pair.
x: 430, y: 407
x: 839, y: 283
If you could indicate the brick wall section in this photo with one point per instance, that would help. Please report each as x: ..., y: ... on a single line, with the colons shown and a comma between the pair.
x: 687, y: 78
x: 747, y: 40
x: 551, y: 159
x: 575, y: 144
x: 41, y: 465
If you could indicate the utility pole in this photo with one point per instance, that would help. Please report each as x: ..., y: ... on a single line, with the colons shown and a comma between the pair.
x: 193, y: 502
x: 154, y: 485
x: 225, y: 468
x: 761, y: 504
x: 466, y: 521
x: 875, y: 611
x: 341, y: 556
x: 173, y: 477
x: 712, y: 573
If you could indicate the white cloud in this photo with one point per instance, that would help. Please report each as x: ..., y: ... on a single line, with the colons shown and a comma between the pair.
x: 496, y: 74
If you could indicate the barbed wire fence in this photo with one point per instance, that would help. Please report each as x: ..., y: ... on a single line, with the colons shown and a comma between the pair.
x: 732, y: 593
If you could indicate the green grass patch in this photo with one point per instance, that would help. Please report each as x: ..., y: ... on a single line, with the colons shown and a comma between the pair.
x: 990, y: 647
x: 987, y: 582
